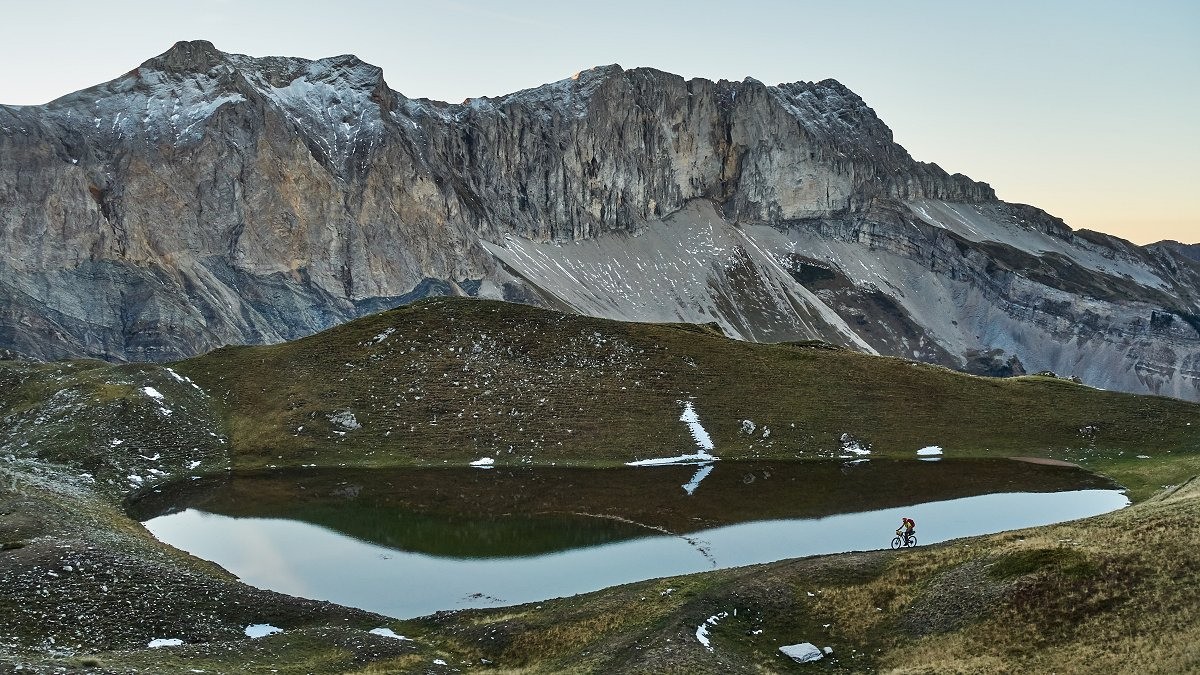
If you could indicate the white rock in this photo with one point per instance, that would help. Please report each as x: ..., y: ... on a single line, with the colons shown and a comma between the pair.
x: 345, y: 419
x: 803, y: 652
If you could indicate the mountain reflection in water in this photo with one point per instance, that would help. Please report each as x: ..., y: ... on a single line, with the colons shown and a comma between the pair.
x: 409, y: 542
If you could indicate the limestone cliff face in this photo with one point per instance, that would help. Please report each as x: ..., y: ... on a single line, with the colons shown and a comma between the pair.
x: 207, y: 198
x: 610, y: 149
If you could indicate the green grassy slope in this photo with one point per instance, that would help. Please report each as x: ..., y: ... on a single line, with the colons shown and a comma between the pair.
x: 450, y: 380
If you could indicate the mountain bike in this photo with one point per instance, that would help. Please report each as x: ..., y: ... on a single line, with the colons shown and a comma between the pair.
x: 898, y: 541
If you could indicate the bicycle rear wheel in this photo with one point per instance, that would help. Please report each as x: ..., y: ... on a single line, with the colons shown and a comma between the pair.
x: 912, y: 541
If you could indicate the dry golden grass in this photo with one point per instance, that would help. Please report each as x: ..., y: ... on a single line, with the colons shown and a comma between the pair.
x: 549, y: 639
x: 1139, y: 612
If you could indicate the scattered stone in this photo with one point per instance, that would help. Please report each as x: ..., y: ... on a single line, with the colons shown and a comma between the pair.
x: 345, y: 419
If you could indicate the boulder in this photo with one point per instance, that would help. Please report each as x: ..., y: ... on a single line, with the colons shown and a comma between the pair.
x: 803, y: 652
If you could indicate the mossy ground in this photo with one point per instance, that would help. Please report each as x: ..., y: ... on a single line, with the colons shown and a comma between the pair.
x: 447, y: 381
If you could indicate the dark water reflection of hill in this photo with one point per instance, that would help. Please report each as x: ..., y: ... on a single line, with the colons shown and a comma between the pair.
x: 475, y: 513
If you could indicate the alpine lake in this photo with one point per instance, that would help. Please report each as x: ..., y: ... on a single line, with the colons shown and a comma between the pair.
x: 411, y: 542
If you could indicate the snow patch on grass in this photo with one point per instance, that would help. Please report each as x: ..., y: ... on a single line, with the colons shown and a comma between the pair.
x: 184, y: 380
x: 387, y: 632
x: 702, y: 629
x: 257, y: 630
x: 692, y: 419
x: 699, y: 434
x: 164, y: 642
x: 930, y: 451
x: 698, y: 458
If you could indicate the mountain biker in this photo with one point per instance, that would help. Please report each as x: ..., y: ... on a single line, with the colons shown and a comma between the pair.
x: 908, y: 527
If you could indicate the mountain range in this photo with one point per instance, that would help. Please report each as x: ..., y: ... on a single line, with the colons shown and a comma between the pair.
x: 207, y: 198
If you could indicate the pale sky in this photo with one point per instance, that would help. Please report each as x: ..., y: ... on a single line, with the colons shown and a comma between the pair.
x: 1089, y: 109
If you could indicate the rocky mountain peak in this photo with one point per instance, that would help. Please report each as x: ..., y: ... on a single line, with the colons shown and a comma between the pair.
x: 836, y: 86
x: 192, y: 56
x: 197, y: 58
x: 598, y: 72
x: 211, y: 198
x: 346, y: 70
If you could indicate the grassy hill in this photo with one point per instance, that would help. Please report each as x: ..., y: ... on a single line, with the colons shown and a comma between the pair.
x: 451, y: 380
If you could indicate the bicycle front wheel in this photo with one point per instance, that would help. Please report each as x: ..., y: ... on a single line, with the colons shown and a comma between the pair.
x: 897, y: 542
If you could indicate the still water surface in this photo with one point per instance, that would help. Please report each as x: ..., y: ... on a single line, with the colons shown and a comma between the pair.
x: 406, y: 543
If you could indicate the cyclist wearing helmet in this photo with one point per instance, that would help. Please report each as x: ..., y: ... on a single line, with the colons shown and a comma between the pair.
x: 908, y: 527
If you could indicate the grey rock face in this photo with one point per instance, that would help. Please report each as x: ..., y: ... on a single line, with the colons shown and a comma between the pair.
x: 207, y: 198
x: 1191, y: 251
